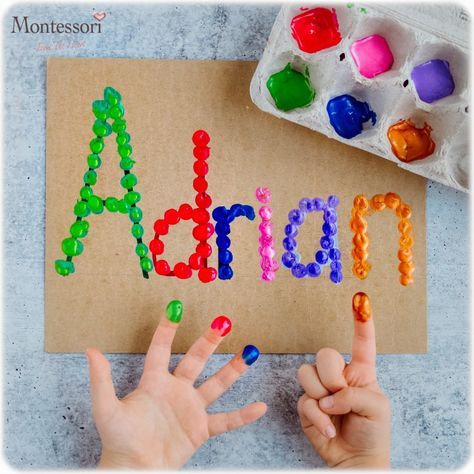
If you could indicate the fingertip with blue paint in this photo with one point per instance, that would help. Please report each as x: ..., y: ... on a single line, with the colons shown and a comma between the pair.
x: 250, y: 354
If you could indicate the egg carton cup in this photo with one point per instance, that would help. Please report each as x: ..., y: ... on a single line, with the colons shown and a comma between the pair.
x: 391, y: 95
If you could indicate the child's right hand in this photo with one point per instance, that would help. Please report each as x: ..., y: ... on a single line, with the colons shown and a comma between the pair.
x: 343, y: 411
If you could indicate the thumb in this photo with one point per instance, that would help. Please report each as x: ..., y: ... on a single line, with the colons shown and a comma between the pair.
x: 104, y: 400
x: 358, y: 400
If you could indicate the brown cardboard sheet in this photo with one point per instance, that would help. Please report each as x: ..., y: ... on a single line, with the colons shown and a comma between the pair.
x: 107, y: 303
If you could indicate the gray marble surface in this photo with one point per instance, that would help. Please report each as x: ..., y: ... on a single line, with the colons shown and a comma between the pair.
x: 47, y: 418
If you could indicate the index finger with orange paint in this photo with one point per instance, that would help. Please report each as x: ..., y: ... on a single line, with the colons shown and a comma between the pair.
x: 363, y: 342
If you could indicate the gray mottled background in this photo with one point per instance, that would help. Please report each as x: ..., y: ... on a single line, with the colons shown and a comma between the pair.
x: 47, y: 409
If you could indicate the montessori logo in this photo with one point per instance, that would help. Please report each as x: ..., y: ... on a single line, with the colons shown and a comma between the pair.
x: 23, y: 24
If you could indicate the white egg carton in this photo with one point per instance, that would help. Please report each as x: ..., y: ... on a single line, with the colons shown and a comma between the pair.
x: 415, y: 34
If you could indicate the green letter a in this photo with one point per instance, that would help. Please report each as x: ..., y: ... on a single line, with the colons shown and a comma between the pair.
x: 111, y: 109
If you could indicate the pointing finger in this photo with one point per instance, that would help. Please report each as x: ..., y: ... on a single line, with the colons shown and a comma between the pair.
x: 363, y: 342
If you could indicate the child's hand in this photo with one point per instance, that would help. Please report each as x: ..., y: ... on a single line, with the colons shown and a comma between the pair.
x: 164, y: 421
x: 343, y: 412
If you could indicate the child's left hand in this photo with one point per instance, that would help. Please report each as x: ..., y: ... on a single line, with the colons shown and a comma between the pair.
x: 343, y: 411
x: 164, y: 421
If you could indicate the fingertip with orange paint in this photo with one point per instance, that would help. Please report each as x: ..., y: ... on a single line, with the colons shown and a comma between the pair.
x: 361, y: 307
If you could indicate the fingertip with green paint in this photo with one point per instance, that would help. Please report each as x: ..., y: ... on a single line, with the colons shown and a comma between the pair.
x: 174, y: 311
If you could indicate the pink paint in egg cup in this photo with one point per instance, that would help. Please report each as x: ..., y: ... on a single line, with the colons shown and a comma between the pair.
x: 372, y: 55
